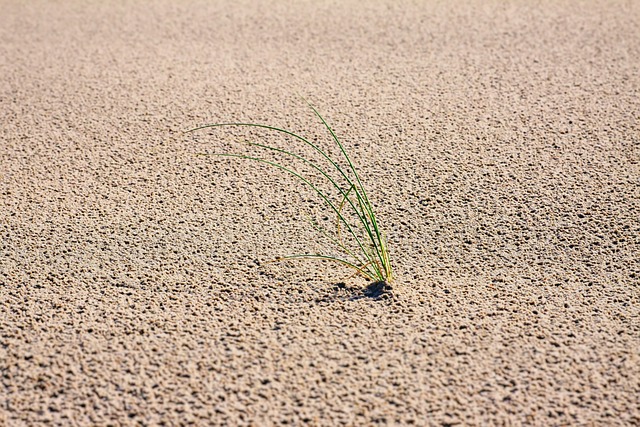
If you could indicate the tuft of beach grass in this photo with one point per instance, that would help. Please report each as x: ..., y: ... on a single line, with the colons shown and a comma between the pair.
x: 357, y: 237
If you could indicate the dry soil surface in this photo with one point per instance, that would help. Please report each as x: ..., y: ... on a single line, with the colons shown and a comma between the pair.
x: 499, y: 142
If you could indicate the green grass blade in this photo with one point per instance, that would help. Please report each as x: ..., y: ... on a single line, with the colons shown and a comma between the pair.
x: 362, y: 213
x: 365, y: 214
x: 303, y: 179
x: 359, y: 269
x: 277, y: 129
x: 377, y: 265
x: 360, y: 191
x: 339, y: 244
x: 362, y: 216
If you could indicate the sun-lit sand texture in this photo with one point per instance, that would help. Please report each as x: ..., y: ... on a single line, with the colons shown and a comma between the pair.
x: 499, y: 142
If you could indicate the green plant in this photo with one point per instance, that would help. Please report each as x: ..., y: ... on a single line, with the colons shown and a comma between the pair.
x: 357, y: 236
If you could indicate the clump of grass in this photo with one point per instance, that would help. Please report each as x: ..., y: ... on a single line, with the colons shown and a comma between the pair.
x: 357, y: 236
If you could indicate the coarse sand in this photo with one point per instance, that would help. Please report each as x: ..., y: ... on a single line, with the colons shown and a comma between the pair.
x: 498, y: 140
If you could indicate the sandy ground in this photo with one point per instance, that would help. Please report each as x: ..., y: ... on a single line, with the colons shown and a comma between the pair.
x: 500, y: 144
